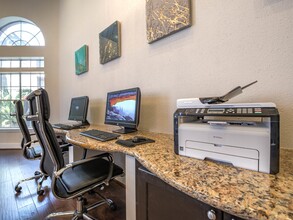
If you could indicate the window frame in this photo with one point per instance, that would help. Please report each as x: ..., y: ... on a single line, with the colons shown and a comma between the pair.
x: 20, y: 34
x: 20, y: 72
x: 21, y: 51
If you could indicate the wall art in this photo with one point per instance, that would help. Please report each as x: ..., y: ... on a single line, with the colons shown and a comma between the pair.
x: 110, y: 43
x: 166, y: 17
x: 81, y: 60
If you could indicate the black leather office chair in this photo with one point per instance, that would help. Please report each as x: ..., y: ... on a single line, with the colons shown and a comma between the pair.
x: 29, y: 152
x: 75, y: 179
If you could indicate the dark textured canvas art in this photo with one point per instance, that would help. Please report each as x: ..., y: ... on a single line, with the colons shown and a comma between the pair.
x: 165, y: 17
x: 110, y: 47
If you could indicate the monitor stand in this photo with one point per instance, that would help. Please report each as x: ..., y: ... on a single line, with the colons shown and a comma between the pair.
x: 125, y: 130
x: 85, y: 123
x: 82, y: 124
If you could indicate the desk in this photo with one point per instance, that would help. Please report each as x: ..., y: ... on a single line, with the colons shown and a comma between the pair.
x: 241, y: 192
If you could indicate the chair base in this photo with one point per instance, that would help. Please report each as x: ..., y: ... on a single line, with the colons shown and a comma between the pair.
x: 37, y: 175
x: 81, y: 209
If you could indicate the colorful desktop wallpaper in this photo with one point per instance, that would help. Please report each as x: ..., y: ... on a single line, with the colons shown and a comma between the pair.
x: 121, y: 107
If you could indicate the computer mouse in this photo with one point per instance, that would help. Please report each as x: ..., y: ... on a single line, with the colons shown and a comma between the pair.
x: 138, y: 139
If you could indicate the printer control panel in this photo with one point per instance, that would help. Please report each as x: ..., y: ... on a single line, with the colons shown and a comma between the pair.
x: 235, y: 111
x: 224, y: 111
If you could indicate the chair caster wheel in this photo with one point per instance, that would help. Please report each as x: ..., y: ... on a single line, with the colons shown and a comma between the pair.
x: 40, y: 192
x: 37, y: 173
x: 113, y: 206
x: 18, y: 189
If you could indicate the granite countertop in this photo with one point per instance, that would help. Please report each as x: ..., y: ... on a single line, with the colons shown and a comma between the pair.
x: 244, y: 193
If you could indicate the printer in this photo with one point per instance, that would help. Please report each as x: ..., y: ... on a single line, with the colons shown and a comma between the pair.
x: 244, y: 135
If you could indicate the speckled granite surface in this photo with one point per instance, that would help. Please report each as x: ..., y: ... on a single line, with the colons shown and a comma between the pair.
x: 244, y: 193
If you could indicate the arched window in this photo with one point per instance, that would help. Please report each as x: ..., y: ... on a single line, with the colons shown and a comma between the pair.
x: 19, y: 75
x: 21, y: 32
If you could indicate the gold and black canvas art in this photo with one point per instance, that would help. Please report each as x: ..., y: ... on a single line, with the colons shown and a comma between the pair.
x: 110, y: 47
x: 165, y: 17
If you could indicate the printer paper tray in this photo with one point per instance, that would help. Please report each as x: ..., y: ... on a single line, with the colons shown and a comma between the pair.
x: 247, y: 160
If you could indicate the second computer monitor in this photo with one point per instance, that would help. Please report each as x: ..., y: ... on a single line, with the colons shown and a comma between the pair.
x: 123, y: 109
x: 78, y: 109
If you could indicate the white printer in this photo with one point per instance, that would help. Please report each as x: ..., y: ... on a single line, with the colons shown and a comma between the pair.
x: 244, y: 135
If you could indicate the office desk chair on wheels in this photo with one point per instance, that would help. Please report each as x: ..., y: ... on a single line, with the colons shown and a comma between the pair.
x: 73, y: 180
x: 29, y: 152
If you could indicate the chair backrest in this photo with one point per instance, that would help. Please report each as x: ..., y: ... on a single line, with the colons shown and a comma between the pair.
x: 40, y: 107
x: 21, y: 123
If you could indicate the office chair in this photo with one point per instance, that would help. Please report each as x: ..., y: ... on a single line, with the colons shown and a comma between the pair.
x: 73, y: 180
x: 29, y: 152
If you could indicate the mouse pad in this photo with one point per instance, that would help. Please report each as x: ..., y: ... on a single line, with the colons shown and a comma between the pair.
x: 141, y: 142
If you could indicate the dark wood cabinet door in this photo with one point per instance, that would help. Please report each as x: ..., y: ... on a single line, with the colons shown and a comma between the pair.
x: 156, y: 200
x: 231, y: 217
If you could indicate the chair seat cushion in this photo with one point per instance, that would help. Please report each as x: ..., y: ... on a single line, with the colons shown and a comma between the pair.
x: 87, y: 174
x: 33, y: 152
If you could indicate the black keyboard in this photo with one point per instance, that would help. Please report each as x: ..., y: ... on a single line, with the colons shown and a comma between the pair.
x: 99, y: 135
x: 63, y: 126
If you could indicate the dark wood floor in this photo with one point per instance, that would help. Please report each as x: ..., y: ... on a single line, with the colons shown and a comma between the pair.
x: 28, y: 205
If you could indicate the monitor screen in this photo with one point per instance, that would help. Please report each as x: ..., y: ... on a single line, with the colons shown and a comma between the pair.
x: 78, y: 108
x: 122, y: 109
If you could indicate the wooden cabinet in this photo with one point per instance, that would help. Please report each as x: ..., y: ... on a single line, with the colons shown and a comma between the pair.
x: 156, y: 200
x: 230, y: 217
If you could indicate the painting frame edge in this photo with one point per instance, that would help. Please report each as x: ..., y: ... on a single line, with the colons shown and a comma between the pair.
x: 86, y: 54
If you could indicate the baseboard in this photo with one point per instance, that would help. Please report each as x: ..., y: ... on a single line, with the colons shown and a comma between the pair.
x: 9, y: 146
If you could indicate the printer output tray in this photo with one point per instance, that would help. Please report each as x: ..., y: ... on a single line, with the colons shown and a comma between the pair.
x: 233, y: 144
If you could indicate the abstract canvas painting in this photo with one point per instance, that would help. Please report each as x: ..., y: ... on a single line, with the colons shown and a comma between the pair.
x: 81, y: 60
x: 110, y: 47
x: 165, y: 17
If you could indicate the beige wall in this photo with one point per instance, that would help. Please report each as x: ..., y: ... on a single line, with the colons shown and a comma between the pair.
x: 45, y: 14
x: 230, y: 43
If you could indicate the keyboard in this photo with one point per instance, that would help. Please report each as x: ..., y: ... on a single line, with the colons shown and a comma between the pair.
x: 64, y: 126
x: 99, y: 135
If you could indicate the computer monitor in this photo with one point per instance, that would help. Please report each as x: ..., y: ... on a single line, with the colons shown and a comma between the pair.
x: 123, y: 109
x: 78, y: 109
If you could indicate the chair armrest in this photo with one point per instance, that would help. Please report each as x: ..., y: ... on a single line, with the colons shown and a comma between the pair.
x: 111, y: 167
x: 58, y: 173
x: 110, y: 174
x: 31, y: 142
x: 65, y: 145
